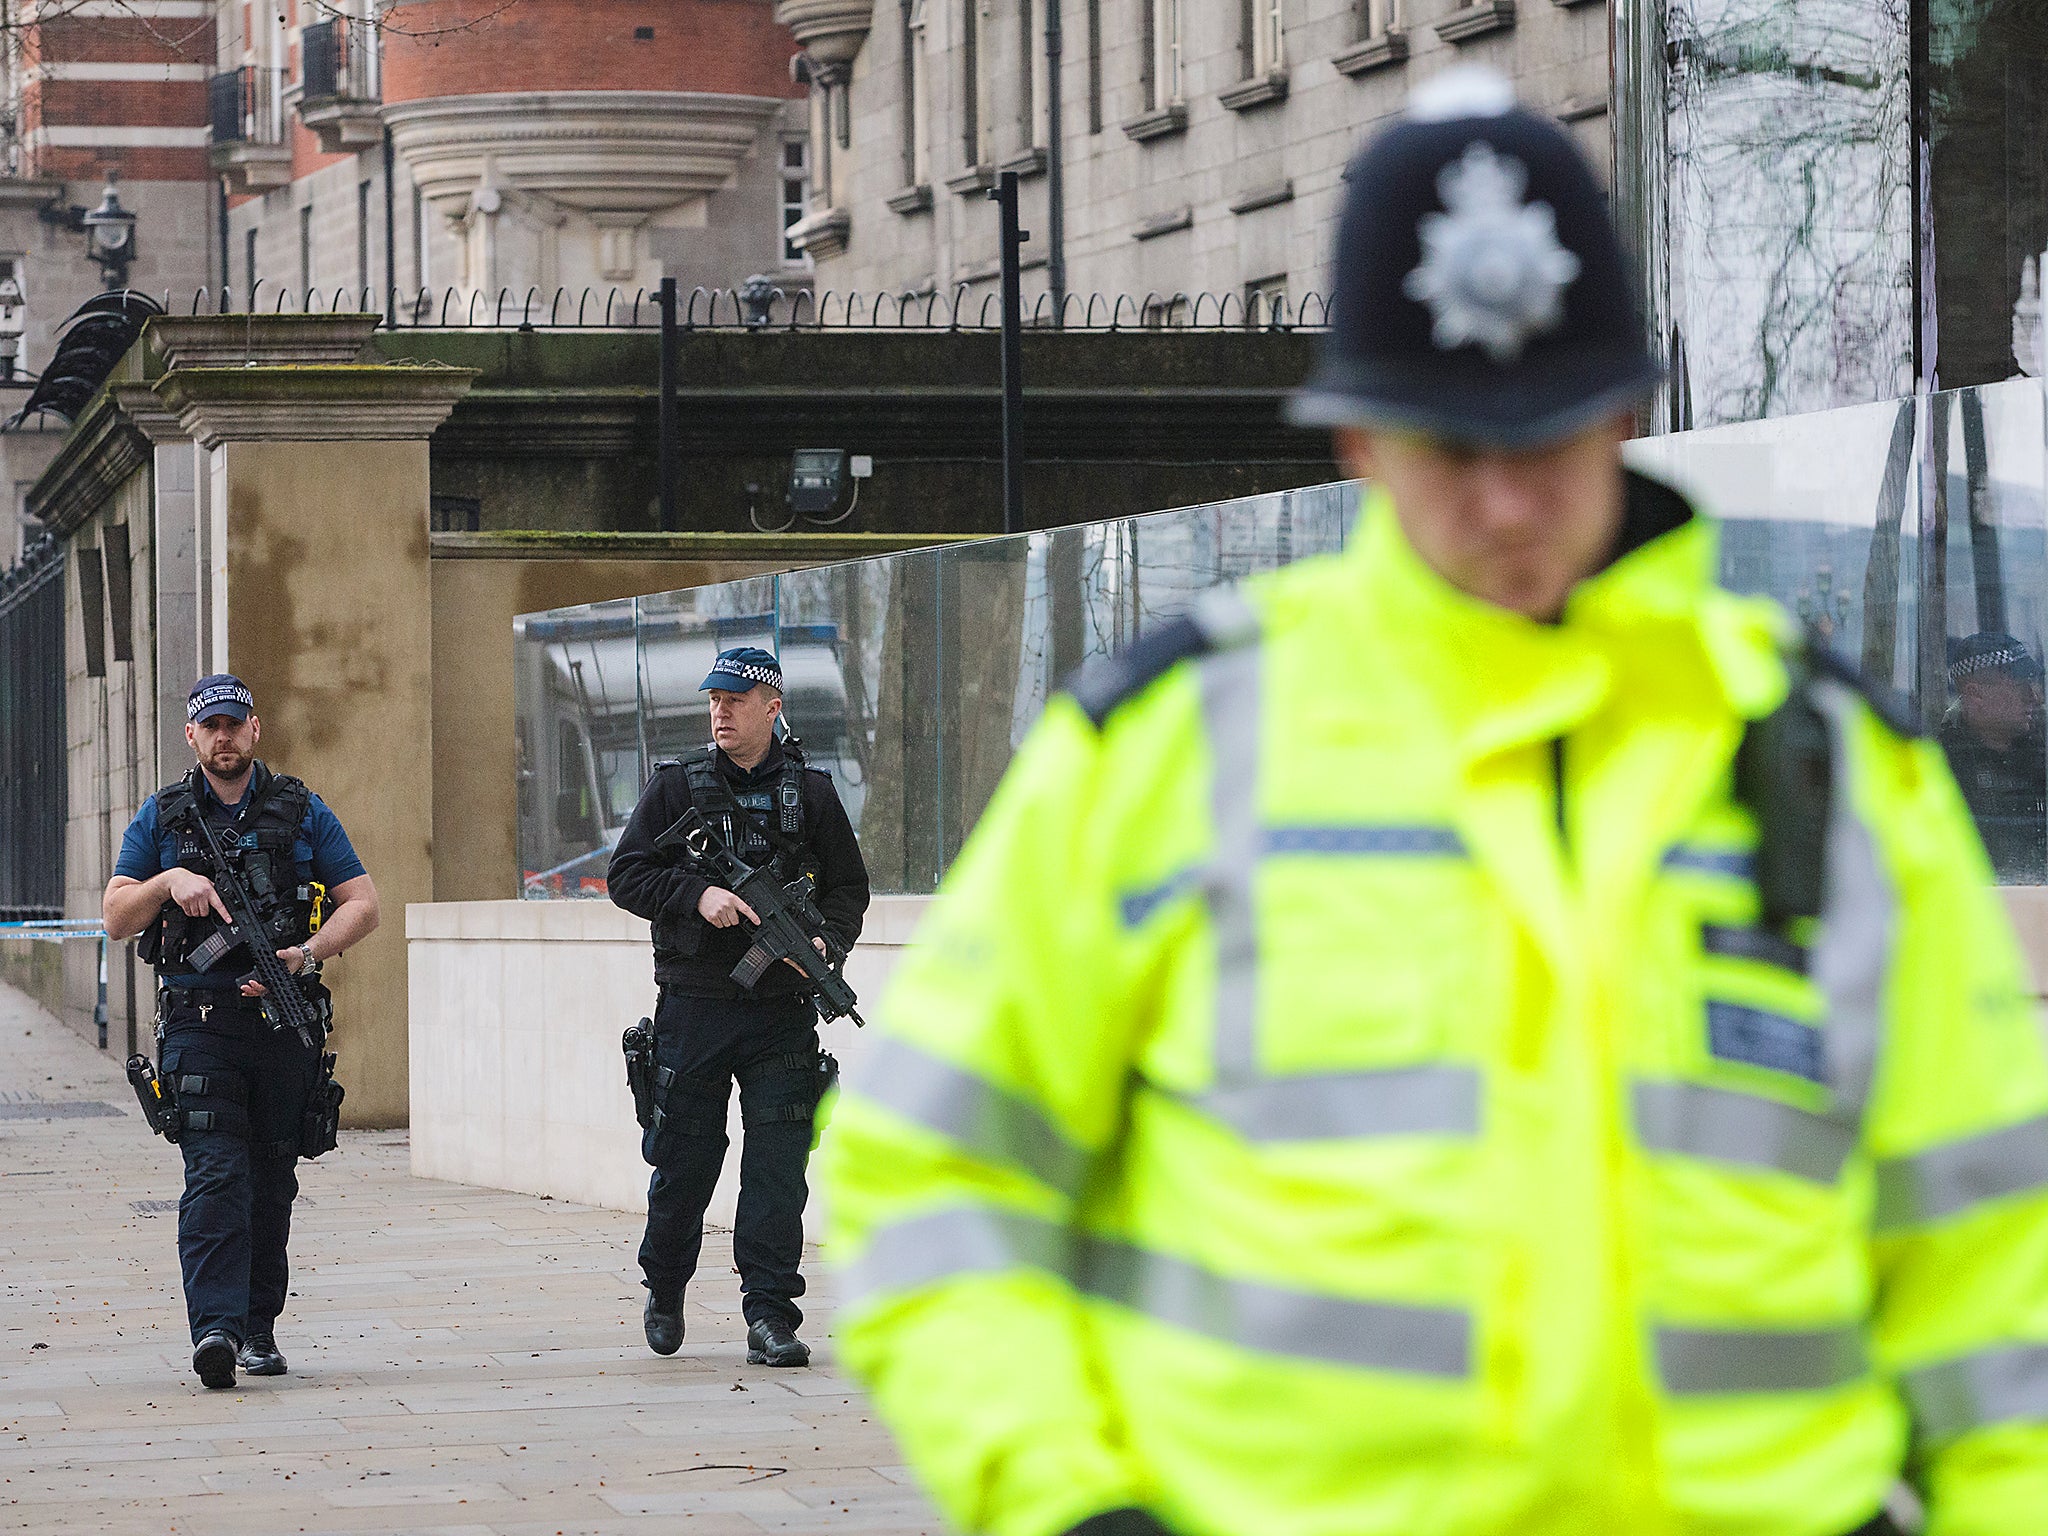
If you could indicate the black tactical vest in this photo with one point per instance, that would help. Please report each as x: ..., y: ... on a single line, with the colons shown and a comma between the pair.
x: 761, y: 823
x: 258, y: 842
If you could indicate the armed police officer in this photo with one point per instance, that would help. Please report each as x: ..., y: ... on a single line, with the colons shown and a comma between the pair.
x: 1482, y: 1033
x: 245, y: 1097
x: 770, y: 809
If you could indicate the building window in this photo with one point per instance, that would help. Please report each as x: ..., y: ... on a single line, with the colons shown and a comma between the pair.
x: 1095, y: 66
x: 419, y: 240
x: 1376, y: 18
x: 1162, y: 54
x: 916, y: 106
x: 249, y: 263
x: 973, y: 84
x: 796, y: 194
x: 306, y: 251
x: 363, y: 240
x: 1032, y: 91
x: 1265, y: 41
x: 1265, y: 302
x: 1166, y: 314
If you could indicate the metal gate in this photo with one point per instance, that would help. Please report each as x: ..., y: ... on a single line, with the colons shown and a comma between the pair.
x: 32, y: 778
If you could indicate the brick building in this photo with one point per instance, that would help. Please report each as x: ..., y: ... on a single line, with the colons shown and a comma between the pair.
x: 1201, y: 141
x: 481, y: 146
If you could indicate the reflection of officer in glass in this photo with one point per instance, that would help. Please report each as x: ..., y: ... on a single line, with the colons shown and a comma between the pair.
x: 221, y: 1056
x: 1350, y: 1084
x: 1995, y: 743
x: 769, y: 808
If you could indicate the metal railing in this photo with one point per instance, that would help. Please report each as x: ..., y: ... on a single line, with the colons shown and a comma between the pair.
x: 338, y: 60
x: 33, y: 785
x: 767, y: 308
x: 244, y: 106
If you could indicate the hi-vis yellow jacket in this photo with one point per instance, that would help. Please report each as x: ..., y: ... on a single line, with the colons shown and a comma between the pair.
x: 1303, y: 1115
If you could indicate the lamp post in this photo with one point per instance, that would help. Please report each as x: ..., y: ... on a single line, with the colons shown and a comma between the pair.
x: 110, y: 238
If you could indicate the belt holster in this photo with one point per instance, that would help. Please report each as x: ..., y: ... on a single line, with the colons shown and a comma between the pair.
x: 321, y: 1129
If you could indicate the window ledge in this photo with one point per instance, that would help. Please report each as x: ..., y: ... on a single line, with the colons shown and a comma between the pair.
x: 1161, y: 123
x: 1026, y: 164
x: 1382, y: 52
x: 824, y: 233
x: 1566, y: 5
x: 1267, y: 196
x: 1170, y: 222
x: 911, y: 199
x: 1576, y: 109
x: 976, y: 178
x: 1259, y: 91
x: 1468, y: 22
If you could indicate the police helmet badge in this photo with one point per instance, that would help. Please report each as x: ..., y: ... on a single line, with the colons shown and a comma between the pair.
x: 1493, y: 272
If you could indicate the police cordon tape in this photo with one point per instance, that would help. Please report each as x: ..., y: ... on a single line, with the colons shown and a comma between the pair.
x: 55, y: 930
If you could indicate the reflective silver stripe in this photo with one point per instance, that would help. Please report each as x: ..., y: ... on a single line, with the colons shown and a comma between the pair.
x: 1852, y: 953
x: 1759, y: 944
x: 1428, y: 1341
x: 1724, y: 1126
x: 1733, y: 862
x: 1229, y: 679
x: 1396, y: 841
x: 1331, y: 1330
x: 960, y: 1240
x: 1700, y: 1361
x: 1998, y: 1386
x: 989, y: 1121
x: 1953, y: 1177
x: 1407, y: 1101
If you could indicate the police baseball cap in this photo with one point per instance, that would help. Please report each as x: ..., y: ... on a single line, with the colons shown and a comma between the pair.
x: 1992, y: 652
x: 220, y: 694
x: 741, y: 668
x: 1480, y: 292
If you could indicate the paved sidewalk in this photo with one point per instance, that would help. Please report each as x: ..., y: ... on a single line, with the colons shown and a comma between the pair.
x: 464, y: 1362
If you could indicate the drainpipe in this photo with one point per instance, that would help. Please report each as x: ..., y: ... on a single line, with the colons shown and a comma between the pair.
x: 1055, y: 169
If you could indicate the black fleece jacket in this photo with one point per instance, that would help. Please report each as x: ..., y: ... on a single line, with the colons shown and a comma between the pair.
x: 690, y: 955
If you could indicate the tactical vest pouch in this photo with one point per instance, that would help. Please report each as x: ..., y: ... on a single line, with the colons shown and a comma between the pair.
x: 159, y: 1099
x: 322, y: 1126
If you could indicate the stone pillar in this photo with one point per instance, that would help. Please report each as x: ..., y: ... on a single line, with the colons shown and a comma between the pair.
x: 176, y: 554
x: 316, y: 489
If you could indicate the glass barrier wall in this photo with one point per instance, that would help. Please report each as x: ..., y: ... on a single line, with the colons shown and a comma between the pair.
x: 1910, y: 535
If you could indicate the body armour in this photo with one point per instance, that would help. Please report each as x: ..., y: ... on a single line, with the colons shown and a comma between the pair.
x: 259, y: 840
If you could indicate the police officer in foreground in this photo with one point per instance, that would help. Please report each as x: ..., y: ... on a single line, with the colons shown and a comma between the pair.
x: 1483, y: 1034
x: 769, y: 808
x: 242, y: 1087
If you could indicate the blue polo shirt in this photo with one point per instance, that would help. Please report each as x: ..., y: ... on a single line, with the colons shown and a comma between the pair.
x: 321, y: 851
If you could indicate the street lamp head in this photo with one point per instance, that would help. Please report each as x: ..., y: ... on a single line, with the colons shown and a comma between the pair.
x: 110, y: 236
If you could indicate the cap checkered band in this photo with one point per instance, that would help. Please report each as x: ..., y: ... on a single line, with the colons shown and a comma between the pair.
x: 208, y: 701
x: 749, y: 672
x: 2004, y: 656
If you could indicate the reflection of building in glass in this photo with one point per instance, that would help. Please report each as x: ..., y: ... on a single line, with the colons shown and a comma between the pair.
x: 1835, y: 199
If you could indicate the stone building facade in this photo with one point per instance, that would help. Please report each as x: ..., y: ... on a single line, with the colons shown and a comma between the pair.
x: 467, y: 145
x: 1203, y: 141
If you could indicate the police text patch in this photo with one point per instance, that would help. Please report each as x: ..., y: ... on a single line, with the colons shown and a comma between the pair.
x: 1736, y: 1033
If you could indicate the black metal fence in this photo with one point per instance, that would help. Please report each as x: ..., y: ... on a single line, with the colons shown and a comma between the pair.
x: 767, y: 306
x: 32, y: 779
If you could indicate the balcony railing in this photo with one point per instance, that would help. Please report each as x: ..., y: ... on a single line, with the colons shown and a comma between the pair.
x: 338, y: 60
x: 245, y: 106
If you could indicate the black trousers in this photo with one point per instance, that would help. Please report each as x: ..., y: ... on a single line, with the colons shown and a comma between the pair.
x: 770, y: 1047
x: 241, y: 1177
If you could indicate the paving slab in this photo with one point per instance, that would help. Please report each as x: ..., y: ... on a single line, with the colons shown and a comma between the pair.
x: 464, y: 1362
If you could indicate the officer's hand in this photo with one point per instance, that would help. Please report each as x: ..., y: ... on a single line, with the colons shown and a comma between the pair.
x: 818, y: 944
x: 721, y: 909
x: 292, y: 959
x: 195, y: 895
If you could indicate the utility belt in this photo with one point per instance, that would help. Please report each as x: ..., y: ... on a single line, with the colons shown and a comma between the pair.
x: 653, y: 1087
x: 243, y: 1015
x: 189, y: 1103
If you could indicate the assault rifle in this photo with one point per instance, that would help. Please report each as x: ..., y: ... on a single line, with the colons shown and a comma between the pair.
x: 789, y: 918
x: 283, y: 1003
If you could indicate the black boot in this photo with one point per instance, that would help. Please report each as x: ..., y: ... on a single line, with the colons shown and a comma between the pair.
x: 214, y: 1360
x: 773, y: 1342
x: 260, y: 1356
x: 663, y: 1321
